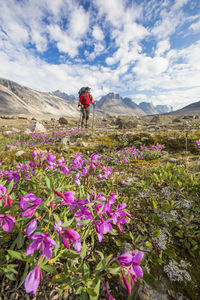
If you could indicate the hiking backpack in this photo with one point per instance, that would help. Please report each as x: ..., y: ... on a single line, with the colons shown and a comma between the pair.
x: 81, y: 91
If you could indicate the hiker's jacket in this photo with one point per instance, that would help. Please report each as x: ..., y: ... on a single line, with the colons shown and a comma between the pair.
x: 85, y: 100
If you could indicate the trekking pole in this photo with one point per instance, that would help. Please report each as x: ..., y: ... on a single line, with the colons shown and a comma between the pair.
x: 79, y: 125
x: 93, y: 117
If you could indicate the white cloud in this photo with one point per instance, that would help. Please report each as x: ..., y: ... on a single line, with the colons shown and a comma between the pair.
x: 150, y: 67
x: 195, y: 27
x: 98, y: 33
x: 79, y: 23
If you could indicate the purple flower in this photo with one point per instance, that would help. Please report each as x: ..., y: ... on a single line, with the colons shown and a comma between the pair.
x: 32, y: 280
x: 29, y: 212
x: 3, y: 192
x: 102, y: 227
x: 74, y: 237
x: 125, y: 259
x: 29, y: 198
x: 31, y: 227
x: 135, y: 270
x: 42, y: 241
x: 6, y: 222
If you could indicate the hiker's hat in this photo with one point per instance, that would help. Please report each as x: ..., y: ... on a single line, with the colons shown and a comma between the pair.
x: 87, y: 88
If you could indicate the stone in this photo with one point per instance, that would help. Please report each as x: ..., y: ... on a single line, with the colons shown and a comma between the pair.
x: 172, y: 160
x: 63, y: 121
x: 19, y: 153
x: 65, y: 140
x: 37, y: 127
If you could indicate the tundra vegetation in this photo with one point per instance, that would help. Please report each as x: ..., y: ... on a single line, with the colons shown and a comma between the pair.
x: 110, y: 214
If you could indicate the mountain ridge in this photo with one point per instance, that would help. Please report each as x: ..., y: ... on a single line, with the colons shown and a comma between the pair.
x: 18, y: 99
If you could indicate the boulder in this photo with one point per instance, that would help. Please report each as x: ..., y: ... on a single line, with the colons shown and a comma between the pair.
x: 63, y: 121
x: 37, y: 127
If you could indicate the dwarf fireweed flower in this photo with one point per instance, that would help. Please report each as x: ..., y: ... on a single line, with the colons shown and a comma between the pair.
x: 42, y: 241
x: 32, y: 280
x: 6, y: 222
x: 74, y: 237
x: 31, y: 227
x: 133, y: 261
x: 3, y: 192
x: 29, y: 198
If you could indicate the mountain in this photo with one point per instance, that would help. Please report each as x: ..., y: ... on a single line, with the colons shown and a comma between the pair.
x: 64, y: 95
x: 193, y: 108
x: 162, y: 109
x: 114, y: 104
x: 148, y: 108
x: 17, y: 99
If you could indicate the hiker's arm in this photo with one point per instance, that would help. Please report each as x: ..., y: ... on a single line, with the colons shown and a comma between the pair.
x: 92, y: 100
x: 80, y: 100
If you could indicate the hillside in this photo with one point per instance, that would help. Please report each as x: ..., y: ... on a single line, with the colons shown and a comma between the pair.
x: 17, y: 99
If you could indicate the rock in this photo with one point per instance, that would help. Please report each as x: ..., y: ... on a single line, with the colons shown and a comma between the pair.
x: 176, y: 120
x: 63, y: 121
x: 65, y: 140
x: 37, y: 127
x: 19, y: 153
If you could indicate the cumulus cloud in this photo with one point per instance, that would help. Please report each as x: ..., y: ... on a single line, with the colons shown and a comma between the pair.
x: 98, y: 33
x: 66, y: 44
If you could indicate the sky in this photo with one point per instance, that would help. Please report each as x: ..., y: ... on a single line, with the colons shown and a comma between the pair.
x: 147, y: 50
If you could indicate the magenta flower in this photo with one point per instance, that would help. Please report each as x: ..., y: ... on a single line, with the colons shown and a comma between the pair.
x: 29, y: 198
x: 29, y: 212
x: 42, y: 241
x: 102, y: 227
x: 135, y: 270
x: 31, y: 227
x: 133, y: 261
x: 6, y: 222
x: 3, y: 192
x: 74, y: 237
x: 125, y: 259
x: 126, y: 282
x: 32, y: 280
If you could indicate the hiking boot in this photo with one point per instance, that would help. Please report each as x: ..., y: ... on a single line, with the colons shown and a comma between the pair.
x: 86, y: 126
x: 82, y: 125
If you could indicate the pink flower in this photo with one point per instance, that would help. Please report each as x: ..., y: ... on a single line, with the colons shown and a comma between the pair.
x: 6, y: 222
x: 74, y: 237
x: 32, y: 280
x: 42, y: 241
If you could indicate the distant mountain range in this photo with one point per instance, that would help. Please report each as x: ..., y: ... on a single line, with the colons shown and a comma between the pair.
x: 17, y: 99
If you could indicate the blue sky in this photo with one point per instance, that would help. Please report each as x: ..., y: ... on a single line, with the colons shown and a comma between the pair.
x: 147, y: 50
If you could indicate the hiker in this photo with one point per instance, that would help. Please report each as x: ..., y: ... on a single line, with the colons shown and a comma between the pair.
x: 84, y: 101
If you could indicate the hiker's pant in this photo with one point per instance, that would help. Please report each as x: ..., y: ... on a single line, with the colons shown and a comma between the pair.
x: 85, y: 112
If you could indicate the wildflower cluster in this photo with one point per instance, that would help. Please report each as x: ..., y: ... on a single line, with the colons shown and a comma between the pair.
x: 51, y: 203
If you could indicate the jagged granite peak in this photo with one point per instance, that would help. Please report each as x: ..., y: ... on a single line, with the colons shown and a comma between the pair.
x: 148, y: 108
x: 63, y: 95
x: 115, y: 104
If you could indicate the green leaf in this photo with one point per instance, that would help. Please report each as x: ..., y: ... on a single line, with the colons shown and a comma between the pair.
x: 48, y: 183
x: 149, y: 279
x: 48, y: 268
x: 170, y: 252
x: 10, y: 187
x: 156, y: 233
x: 155, y: 203
x: 16, y: 255
x: 114, y: 271
x: 24, y: 274
x: 84, y: 296
x: 149, y: 245
x: 91, y: 292
x: 84, y: 222
x: 96, y: 290
x: 57, y: 219
x: 70, y: 254
x: 20, y: 240
x: 83, y: 250
x: 67, y: 222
